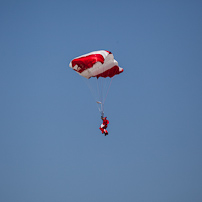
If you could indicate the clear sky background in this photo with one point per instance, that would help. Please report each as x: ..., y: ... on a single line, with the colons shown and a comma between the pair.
x: 51, y: 148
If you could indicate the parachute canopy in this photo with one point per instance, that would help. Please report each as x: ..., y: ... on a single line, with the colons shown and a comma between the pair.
x: 96, y: 64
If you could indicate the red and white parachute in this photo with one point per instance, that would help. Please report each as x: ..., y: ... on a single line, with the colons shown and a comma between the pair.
x: 101, y: 65
x: 96, y: 64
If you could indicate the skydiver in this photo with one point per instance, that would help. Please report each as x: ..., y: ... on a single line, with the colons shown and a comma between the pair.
x: 104, y: 125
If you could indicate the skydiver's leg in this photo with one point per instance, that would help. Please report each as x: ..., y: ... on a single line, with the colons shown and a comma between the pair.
x: 102, y: 130
x: 105, y: 132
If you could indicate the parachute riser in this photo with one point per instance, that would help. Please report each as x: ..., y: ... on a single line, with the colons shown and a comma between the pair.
x: 101, y: 107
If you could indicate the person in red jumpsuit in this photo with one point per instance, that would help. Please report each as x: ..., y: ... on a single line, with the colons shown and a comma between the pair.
x: 104, y: 125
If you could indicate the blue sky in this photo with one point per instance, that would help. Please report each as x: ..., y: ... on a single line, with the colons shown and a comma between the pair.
x: 51, y: 148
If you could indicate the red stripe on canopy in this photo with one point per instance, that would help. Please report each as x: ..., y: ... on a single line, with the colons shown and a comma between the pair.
x: 87, y: 62
x: 110, y: 72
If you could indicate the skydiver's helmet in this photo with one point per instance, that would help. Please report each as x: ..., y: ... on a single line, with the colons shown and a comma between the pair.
x: 103, y: 118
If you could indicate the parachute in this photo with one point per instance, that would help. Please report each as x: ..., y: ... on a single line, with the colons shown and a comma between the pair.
x: 103, y: 67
